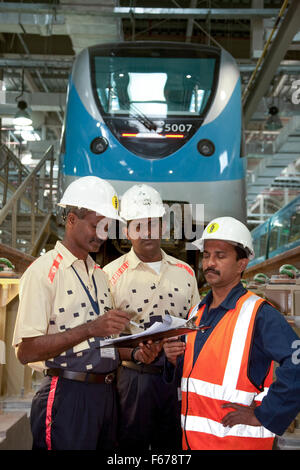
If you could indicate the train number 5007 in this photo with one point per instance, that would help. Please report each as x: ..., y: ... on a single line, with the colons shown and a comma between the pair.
x: 177, y: 127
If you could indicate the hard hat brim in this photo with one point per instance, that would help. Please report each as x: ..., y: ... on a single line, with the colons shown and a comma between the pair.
x: 200, y: 245
x: 109, y: 216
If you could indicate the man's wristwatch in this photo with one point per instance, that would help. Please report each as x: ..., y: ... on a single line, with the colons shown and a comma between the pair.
x: 132, y: 355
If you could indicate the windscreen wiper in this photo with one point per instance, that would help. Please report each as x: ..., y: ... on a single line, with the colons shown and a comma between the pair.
x: 142, y: 118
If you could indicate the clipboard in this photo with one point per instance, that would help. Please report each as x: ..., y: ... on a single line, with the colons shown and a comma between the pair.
x: 127, y: 342
x: 132, y: 343
x: 169, y: 328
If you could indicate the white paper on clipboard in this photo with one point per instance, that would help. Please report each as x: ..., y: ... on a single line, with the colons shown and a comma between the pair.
x: 169, y: 323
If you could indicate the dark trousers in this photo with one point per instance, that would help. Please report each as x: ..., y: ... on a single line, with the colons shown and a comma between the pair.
x: 71, y: 415
x: 149, y: 412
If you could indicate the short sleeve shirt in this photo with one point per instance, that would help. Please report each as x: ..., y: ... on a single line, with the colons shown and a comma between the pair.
x: 149, y: 296
x: 53, y: 300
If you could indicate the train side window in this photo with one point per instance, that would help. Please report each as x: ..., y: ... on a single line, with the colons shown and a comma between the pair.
x: 274, y: 237
x: 263, y: 244
x: 284, y: 230
x: 295, y: 228
x: 256, y: 247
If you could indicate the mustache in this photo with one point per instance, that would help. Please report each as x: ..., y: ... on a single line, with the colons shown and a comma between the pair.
x: 211, y: 270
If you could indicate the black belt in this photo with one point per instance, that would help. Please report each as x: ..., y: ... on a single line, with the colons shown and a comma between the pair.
x: 143, y: 368
x: 107, y: 378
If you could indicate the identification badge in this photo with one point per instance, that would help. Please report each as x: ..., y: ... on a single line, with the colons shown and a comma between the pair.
x: 108, y: 353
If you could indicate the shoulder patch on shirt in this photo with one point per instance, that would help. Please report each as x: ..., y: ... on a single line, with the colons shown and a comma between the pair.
x: 184, y: 266
x: 119, y: 272
x: 54, y: 267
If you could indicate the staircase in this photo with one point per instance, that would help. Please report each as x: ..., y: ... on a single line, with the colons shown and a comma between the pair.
x: 27, y: 200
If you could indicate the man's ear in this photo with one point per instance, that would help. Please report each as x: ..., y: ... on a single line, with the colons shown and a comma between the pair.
x: 71, y: 219
x: 243, y: 264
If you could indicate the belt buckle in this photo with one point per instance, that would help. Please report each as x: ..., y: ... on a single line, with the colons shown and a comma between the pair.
x: 109, y: 378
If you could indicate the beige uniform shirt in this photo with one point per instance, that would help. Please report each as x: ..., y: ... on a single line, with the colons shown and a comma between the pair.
x: 137, y: 288
x: 52, y: 300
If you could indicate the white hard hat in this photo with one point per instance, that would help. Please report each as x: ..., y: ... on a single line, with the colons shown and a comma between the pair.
x: 230, y: 230
x: 93, y: 193
x: 140, y: 202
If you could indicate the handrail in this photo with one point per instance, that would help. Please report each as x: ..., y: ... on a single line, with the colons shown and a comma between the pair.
x: 9, y: 160
x: 13, y: 157
x: 10, y: 204
x: 24, y: 227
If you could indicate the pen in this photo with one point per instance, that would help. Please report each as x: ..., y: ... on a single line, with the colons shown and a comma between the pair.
x: 136, y: 324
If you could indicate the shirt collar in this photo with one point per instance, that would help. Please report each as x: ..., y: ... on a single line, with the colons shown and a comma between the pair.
x: 69, y: 258
x: 230, y: 301
x: 134, y: 260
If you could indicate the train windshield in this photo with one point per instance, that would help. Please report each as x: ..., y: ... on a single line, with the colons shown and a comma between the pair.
x: 154, y: 93
x: 154, y: 87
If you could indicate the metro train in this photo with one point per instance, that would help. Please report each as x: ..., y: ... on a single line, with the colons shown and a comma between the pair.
x: 164, y: 114
x: 280, y: 233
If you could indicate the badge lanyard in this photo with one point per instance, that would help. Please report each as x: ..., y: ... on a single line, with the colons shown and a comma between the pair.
x: 94, y: 303
x: 108, y: 353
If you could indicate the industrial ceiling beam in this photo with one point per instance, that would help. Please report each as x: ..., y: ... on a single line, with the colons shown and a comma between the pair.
x: 196, y: 13
x: 127, y: 12
x: 289, y: 27
x: 37, y: 101
x: 190, y: 23
x: 37, y: 61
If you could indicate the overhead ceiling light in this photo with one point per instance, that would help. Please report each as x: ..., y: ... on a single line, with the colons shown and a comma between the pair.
x: 273, y: 122
x: 22, y: 117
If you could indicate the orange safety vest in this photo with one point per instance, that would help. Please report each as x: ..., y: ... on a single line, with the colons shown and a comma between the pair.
x: 219, y: 376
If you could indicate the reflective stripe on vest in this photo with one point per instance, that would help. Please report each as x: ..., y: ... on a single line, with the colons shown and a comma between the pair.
x: 219, y: 375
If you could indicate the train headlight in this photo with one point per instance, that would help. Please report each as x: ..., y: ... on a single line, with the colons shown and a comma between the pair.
x: 99, y: 145
x: 206, y: 147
